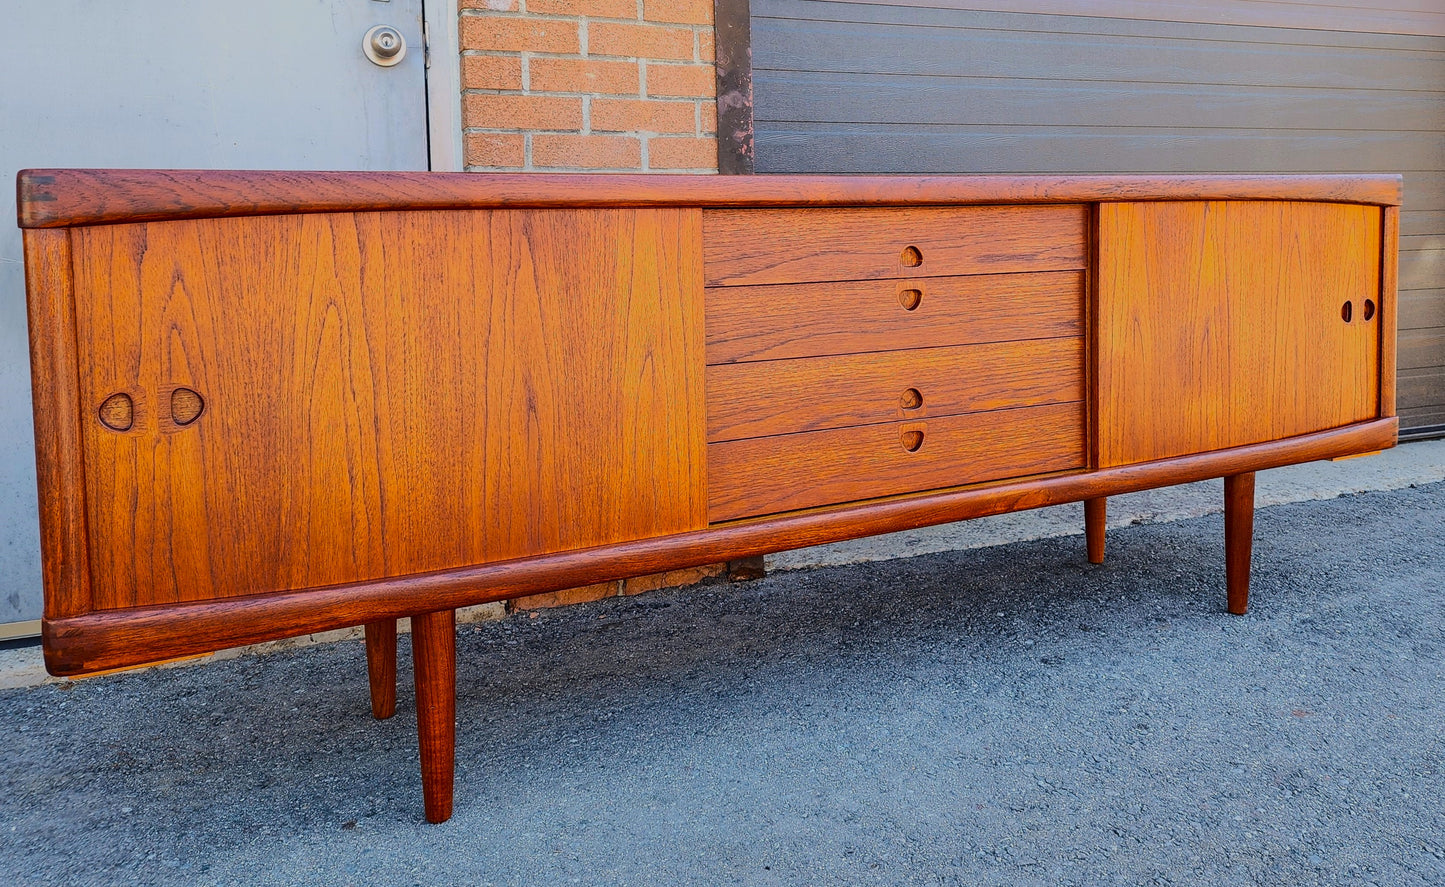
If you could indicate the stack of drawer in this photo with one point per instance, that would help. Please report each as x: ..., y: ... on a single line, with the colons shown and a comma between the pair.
x: 859, y: 353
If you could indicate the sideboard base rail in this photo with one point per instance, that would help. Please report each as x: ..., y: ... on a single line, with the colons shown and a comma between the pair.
x: 115, y: 639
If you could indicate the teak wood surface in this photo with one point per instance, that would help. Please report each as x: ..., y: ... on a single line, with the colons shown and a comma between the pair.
x: 850, y: 317
x: 62, y: 198
x: 1221, y: 324
x: 59, y: 419
x: 269, y: 404
x: 434, y: 666
x: 766, y: 475
x: 381, y: 667
x: 763, y: 398
x: 1096, y: 517
x: 369, y: 379
x: 1238, y: 539
x: 760, y: 246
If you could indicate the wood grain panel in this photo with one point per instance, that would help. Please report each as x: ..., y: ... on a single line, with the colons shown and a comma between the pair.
x: 790, y: 246
x: 1220, y: 324
x: 59, y: 468
x: 809, y: 394
x: 806, y: 320
x: 758, y: 476
x: 386, y: 394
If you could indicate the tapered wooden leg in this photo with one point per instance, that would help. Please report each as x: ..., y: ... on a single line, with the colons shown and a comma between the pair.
x: 381, y: 667
x: 1238, y: 538
x: 1095, y: 515
x: 434, y: 657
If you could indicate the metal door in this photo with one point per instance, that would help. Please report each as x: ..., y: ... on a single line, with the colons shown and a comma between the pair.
x: 267, y: 84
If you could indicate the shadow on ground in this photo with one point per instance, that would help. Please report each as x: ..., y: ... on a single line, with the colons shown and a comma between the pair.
x: 999, y: 716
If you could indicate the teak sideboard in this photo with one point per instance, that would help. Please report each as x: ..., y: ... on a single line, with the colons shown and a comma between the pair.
x: 273, y: 403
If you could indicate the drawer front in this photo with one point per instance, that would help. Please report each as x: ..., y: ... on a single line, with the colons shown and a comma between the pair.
x: 756, y: 246
x: 806, y: 320
x: 767, y: 475
x: 770, y: 397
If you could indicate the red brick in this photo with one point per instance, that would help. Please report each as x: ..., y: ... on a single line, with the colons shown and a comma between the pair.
x: 671, y: 579
x: 564, y: 597
x: 584, y: 75
x: 707, y: 122
x: 596, y: 8
x: 689, y: 12
x: 586, y: 152
x: 485, y: 111
x: 491, y: 72
x: 495, y: 149
x: 642, y: 115
x: 689, y: 153
x: 691, y: 81
x: 515, y: 34
x: 493, y: 5
x: 639, y: 41
x: 706, y: 47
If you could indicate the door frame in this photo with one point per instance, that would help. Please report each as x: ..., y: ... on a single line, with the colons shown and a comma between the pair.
x: 443, y: 85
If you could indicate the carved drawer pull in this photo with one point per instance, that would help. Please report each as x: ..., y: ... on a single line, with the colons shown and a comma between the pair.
x: 911, y: 437
x: 117, y: 412
x: 910, y: 298
x: 1347, y: 312
x: 912, y: 399
x: 186, y: 406
x: 1369, y: 310
x: 911, y: 257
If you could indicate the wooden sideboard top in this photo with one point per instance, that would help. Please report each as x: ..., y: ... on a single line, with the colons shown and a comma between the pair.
x: 61, y: 198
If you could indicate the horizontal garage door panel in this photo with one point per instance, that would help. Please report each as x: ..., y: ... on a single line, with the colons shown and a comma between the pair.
x: 1114, y: 17
x: 1388, y: 17
x: 818, y: 45
x: 862, y: 148
x: 828, y: 97
x: 1422, y: 309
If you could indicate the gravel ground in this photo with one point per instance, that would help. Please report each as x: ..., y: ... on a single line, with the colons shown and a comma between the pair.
x: 1009, y: 715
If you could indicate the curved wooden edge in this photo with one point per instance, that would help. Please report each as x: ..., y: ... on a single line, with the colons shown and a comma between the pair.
x: 55, y: 399
x: 57, y: 198
x: 1389, y: 308
x: 118, y: 638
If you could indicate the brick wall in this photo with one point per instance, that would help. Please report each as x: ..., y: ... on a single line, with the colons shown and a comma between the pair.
x: 621, y: 85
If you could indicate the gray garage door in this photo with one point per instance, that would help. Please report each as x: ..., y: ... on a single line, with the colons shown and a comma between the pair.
x: 906, y: 87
